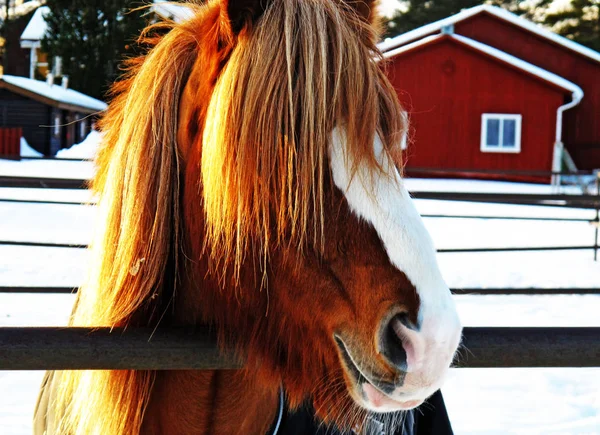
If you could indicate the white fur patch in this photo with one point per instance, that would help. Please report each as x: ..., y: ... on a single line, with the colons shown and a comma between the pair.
x: 384, y: 202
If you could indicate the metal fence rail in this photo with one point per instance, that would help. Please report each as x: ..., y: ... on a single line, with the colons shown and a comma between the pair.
x: 446, y: 171
x: 43, y: 182
x: 490, y: 291
x: 43, y: 201
x: 441, y: 251
x: 553, y: 200
x: 181, y: 349
x: 506, y: 218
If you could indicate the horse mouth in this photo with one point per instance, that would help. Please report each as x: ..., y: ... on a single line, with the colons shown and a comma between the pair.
x: 372, y: 393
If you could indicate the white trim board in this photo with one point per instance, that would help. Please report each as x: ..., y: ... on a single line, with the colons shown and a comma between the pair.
x: 497, y: 54
x: 390, y: 44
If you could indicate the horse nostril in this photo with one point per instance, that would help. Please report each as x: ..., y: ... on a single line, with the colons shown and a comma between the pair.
x: 391, y: 345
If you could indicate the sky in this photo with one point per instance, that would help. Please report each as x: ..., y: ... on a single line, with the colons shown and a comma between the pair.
x: 388, y: 6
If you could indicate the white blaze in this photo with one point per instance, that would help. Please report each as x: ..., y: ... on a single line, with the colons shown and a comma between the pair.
x: 385, y: 203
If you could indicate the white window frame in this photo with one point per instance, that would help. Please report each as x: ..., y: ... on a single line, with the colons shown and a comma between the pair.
x: 485, y: 148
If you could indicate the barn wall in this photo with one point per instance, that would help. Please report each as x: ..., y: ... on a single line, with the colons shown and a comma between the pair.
x: 582, y: 123
x: 447, y: 87
x: 32, y: 116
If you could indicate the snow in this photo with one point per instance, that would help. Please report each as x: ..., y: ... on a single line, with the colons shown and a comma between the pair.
x: 85, y: 150
x: 536, y: 29
x: 47, y: 168
x: 56, y: 93
x: 177, y: 13
x: 37, y: 26
x: 27, y: 151
x: 480, y: 401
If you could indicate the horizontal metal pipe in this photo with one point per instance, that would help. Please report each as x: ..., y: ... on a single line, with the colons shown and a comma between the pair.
x: 41, y: 182
x: 42, y: 244
x: 55, y: 159
x: 182, y: 349
x: 44, y: 202
x: 509, y: 218
x: 101, y: 348
x: 515, y: 249
x: 553, y: 200
x: 491, y: 291
x: 580, y: 173
x: 442, y: 251
x: 529, y: 347
x: 435, y: 216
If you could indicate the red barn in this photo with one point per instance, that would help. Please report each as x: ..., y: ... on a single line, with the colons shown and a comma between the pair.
x: 487, y: 90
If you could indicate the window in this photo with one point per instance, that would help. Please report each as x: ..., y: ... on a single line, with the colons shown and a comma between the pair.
x: 500, y: 133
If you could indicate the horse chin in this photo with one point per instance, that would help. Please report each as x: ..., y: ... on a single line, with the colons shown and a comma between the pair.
x: 372, y: 395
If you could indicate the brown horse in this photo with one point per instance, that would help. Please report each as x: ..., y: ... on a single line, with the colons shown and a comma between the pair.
x: 248, y: 180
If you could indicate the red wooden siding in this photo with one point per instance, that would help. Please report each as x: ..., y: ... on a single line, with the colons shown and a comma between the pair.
x: 581, y: 132
x: 446, y: 87
x: 10, y: 142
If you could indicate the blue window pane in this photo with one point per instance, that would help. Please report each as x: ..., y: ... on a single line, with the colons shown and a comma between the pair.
x: 493, y: 133
x: 509, y: 133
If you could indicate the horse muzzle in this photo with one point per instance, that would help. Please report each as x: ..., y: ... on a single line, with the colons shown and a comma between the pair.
x: 410, y: 362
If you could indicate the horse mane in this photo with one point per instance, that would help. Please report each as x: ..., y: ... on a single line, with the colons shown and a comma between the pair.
x: 300, y: 73
x: 137, y: 231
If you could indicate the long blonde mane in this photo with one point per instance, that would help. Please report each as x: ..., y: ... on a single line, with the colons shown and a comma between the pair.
x: 289, y: 81
x: 306, y: 68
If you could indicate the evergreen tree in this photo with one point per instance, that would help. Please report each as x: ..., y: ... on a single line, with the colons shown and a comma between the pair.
x: 417, y: 13
x: 580, y: 21
x: 92, y: 38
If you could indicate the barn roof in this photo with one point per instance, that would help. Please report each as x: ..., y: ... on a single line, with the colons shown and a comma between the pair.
x: 500, y: 55
x: 405, y: 38
x: 54, y: 95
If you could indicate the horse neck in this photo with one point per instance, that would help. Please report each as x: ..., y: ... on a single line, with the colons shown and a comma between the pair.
x: 215, y: 402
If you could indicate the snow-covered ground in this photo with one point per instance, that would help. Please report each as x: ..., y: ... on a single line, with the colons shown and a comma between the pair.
x: 480, y: 401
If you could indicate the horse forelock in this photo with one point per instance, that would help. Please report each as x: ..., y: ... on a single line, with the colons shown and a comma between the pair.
x: 303, y: 69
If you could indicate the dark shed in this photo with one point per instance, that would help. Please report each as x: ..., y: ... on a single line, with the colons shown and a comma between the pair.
x: 52, y: 117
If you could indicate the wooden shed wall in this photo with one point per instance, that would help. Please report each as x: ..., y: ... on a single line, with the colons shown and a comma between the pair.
x: 582, y: 123
x: 32, y: 116
x: 446, y: 87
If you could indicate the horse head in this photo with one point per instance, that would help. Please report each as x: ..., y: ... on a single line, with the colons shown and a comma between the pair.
x: 328, y: 275
x: 250, y: 180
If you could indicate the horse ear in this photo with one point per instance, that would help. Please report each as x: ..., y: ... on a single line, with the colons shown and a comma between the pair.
x: 367, y: 9
x: 241, y: 13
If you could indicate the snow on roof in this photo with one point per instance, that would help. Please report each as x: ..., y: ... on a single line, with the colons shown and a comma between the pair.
x: 37, y: 26
x: 498, y: 54
x: 420, y: 32
x: 55, y: 93
x: 177, y: 13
